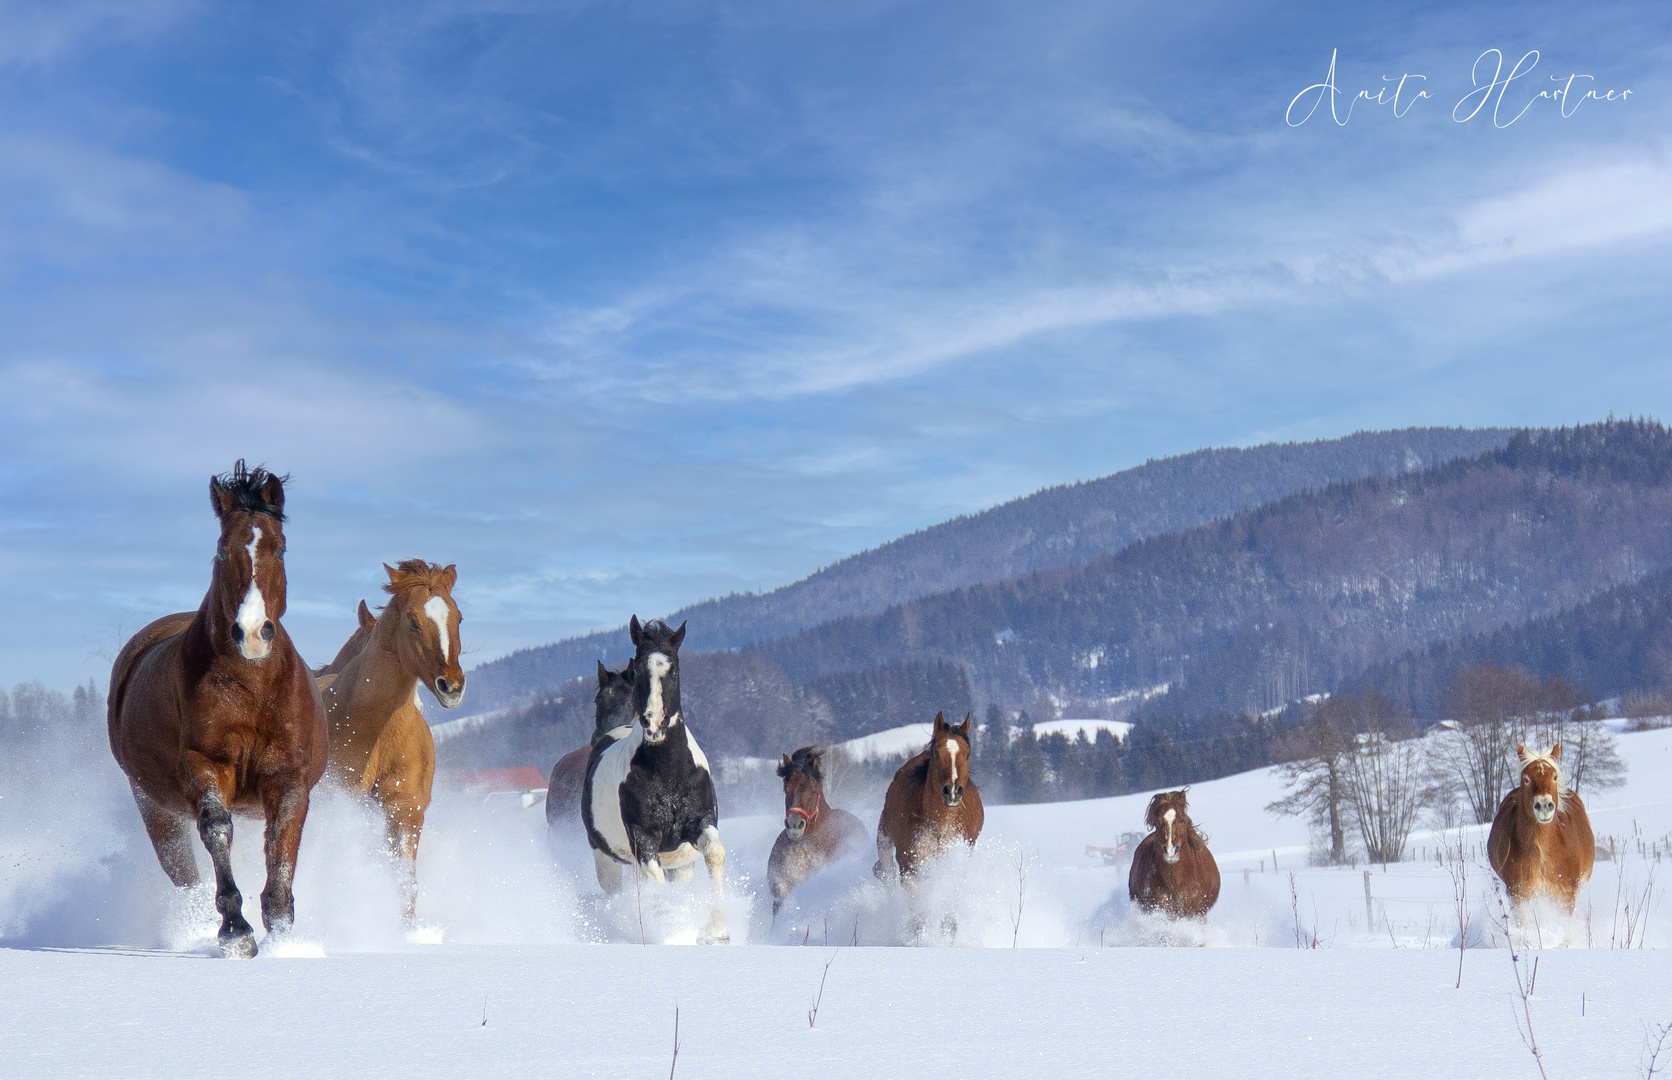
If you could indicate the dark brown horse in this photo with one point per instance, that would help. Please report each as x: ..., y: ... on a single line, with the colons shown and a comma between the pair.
x: 214, y: 711
x: 931, y: 804
x: 1173, y: 871
x: 612, y: 708
x: 1541, y: 843
x: 815, y: 833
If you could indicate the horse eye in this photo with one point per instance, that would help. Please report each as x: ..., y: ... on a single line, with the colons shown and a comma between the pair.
x: 412, y: 622
x: 281, y: 554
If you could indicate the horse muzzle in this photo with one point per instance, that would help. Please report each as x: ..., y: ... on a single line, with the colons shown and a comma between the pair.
x: 449, y: 693
x: 254, y: 646
x: 1544, y: 810
x: 1170, y: 853
x: 794, y: 827
x: 953, y: 795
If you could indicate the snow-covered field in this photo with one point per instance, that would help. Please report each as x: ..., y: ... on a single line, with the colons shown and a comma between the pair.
x: 109, y: 974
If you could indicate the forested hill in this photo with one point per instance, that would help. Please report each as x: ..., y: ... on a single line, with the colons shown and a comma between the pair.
x: 1257, y: 610
x: 1615, y: 643
x: 1051, y: 528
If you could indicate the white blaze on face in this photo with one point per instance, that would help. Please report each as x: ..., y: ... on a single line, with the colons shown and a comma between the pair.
x: 657, y: 665
x: 436, y: 608
x: 951, y: 748
x: 252, y: 613
x: 1172, y: 851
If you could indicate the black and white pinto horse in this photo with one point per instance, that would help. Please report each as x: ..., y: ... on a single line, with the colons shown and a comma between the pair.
x: 649, y: 798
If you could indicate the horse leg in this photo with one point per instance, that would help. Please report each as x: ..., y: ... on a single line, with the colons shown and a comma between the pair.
x: 886, y: 870
x: 171, y: 837
x: 714, y: 854
x: 403, y: 818
x: 609, y: 872
x: 287, y: 808
x: 214, y: 825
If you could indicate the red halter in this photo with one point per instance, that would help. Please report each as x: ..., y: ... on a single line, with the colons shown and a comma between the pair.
x: 805, y: 814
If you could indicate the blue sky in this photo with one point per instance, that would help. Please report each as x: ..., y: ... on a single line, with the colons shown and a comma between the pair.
x: 619, y: 306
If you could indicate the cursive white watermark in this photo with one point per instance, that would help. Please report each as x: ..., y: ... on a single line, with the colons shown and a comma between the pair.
x: 1403, y: 93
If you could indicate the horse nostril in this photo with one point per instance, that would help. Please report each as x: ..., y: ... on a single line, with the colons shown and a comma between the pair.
x: 267, y: 630
x: 442, y: 685
x: 237, y: 632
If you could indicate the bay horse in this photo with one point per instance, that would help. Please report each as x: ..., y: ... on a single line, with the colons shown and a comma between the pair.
x: 213, y: 711
x: 612, y: 709
x: 931, y: 804
x: 1173, y: 871
x: 380, y: 743
x: 648, y: 800
x: 1541, y: 843
x: 815, y: 833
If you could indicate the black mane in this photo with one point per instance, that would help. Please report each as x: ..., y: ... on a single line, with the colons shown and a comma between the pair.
x: 803, y: 761
x: 246, y: 488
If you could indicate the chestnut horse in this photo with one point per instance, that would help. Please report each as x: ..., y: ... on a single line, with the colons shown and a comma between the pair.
x: 1541, y: 842
x: 931, y: 804
x: 380, y: 742
x: 1172, y: 870
x: 612, y: 710
x: 214, y: 711
x: 815, y: 833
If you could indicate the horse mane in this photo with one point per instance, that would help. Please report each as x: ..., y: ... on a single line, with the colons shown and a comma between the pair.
x: 1163, y: 801
x: 246, y: 487
x: 803, y: 761
x: 413, y: 573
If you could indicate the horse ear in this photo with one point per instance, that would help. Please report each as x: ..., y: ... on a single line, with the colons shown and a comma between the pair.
x: 940, y: 723
x: 784, y: 767
x: 604, y: 673
x: 365, y: 614
x: 1521, y: 752
x: 679, y: 635
x: 450, y: 576
x: 633, y: 630
x: 272, y: 492
x: 965, y: 726
x: 1556, y: 752
x: 220, y: 499
x: 392, y: 572
x: 818, y: 760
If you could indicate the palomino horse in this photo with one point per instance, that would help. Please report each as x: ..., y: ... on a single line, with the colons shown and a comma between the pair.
x: 1172, y: 870
x: 931, y: 804
x: 815, y: 833
x: 649, y: 799
x: 214, y: 711
x: 380, y: 741
x: 1541, y: 842
x: 612, y: 709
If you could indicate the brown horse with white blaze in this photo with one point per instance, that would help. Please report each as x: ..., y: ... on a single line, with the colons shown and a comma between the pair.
x: 380, y: 743
x: 214, y: 711
x: 1172, y: 870
x: 1541, y: 843
x: 815, y: 833
x: 931, y: 804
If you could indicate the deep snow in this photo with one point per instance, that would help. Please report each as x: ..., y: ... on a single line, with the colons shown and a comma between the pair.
x: 110, y: 973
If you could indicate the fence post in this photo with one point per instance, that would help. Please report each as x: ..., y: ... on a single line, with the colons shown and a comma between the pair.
x: 1369, y: 914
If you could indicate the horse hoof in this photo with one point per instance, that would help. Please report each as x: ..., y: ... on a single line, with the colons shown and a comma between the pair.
x: 239, y: 946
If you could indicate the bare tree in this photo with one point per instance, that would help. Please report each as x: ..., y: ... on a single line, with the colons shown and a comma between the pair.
x: 1590, y: 756
x: 1383, y: 778
x: 1492, y: 706
x: 1315, y: 778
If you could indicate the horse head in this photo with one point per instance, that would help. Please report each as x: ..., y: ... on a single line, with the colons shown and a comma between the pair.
x: 1541, y: 775
x: 949, y: 757
x: 615, y: 694
x: 425, y: 623
x: 656, y: 676
x: 1168, y: 816
x: 803, y: 779
x: 247, y: 585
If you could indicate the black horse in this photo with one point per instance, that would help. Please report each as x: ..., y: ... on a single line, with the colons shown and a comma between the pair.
x: 612, y: 712
x: 649, y: 798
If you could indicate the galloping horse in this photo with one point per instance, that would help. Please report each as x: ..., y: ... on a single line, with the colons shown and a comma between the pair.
x: 214, y: 711
x: 612, y: 709
x: 648, y: 798
x: 815, y: 833
x: 380, y: 743
x: 1172, y: 870
x: 931, y: 803
x: 1541, y: 842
